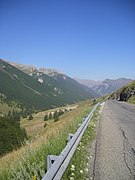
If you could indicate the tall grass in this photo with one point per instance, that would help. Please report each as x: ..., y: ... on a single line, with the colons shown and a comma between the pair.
x: 78, y: 168
x: 30, y: 161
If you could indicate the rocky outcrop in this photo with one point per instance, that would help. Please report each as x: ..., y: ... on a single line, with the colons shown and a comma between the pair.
x: 125, y: 93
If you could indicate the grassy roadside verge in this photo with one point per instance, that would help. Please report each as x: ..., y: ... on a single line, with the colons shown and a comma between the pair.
x: 30, y: 160
x: 79, y: 165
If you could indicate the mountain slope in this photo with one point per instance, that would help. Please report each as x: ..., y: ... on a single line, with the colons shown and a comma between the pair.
x: 39, y: 90
x: 107, y: 86
x: 60, y: 80
x: 20, y: 87
x: 126, y: 93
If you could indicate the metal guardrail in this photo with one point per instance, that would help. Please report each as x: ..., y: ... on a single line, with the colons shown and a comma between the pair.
x: 57, y: 169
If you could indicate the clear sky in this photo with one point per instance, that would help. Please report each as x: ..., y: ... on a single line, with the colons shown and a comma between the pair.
x: 91, y: 39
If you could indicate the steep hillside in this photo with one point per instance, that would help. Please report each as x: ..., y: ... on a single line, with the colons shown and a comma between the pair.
x: 40, y: 91
x: 21, y: 88
x: 105, y: 87
x: 64, y: 86
x: 126, y: 93
x: 59, y: 79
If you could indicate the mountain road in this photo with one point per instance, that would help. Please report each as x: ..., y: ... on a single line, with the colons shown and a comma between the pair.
x: 115, y: 144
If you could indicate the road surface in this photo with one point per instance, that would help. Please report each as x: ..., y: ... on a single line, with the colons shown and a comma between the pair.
x: 115, y: 145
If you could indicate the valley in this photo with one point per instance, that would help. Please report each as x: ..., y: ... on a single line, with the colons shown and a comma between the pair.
x: 39, y: 108
x: 50, y: 139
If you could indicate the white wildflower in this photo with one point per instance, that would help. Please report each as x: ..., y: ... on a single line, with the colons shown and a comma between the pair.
x: 73, y: 166
x: 81, y: 171
x: 72, y: 174
x: 71, y: 178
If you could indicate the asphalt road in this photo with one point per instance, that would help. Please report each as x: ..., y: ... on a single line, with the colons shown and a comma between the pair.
x: 115, y: 145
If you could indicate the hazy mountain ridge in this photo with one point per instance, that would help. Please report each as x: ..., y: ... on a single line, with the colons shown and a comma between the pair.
x: 105, y: 87
x: 89, y: 83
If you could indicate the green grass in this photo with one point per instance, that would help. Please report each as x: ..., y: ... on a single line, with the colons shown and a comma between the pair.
x: 78, y: 167
x: 31, y: 159
x: 132, y: 100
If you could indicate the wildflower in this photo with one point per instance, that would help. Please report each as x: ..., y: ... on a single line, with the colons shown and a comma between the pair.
x: 71, y: 178
x: 82, y: 146
x: 81, y: 171
x: 73, y: 166
x: 34, y: 177
x: 72, y: 174
x: 86, y: 169
x: 90, y: 156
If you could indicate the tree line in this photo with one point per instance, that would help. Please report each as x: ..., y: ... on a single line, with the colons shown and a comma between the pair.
x: 54, y: 115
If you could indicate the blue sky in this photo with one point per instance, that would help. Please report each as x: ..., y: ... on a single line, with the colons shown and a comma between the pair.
x: 91, y: 39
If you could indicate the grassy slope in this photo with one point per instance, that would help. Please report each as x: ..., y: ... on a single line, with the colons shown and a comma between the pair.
x: 26, y: 162
x: 127, y: 89
x: 35, y: 127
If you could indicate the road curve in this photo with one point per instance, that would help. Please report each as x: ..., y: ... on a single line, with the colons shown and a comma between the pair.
x: 115, y: 144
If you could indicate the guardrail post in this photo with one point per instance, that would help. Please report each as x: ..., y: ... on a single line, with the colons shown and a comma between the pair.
x: 83, y: 119
x: 69, y: 137
x: 50, y: 160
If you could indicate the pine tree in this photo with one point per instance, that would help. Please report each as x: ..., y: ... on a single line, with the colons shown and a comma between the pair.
x: 60, y: 112
x: 30, y: 117
x: 46, y: 117
x: 56, y: 117
x: 50, y: 115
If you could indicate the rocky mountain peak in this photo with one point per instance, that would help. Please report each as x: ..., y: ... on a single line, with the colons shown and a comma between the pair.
x: 30, y: 69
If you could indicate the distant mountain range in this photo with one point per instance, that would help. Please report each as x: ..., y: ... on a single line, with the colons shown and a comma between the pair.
x: 104, y: 87
x: 44, y: 88
x: 40, y: 88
